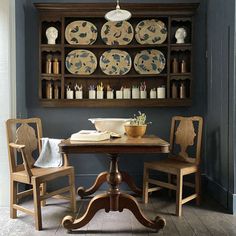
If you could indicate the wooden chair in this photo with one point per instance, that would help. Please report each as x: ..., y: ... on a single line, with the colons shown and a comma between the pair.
x: 24, y: 136
x: 185, y: 132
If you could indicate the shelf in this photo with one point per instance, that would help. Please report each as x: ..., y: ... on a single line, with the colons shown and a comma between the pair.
x: 50, y: 76
x: 173, y: 16
x: 181, y: 47
x: 116, y: 102
x: 180, y: 76
x: 100, y: 76
x: 50, y: 47
x: 94, y: 46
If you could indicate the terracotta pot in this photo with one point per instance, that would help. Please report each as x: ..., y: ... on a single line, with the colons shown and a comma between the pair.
x: 135, y: 131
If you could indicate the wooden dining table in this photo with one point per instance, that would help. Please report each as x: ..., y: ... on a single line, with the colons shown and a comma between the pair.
x: 114, y: 199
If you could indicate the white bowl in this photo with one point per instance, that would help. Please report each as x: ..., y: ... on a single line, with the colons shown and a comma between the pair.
x: 115, y: 125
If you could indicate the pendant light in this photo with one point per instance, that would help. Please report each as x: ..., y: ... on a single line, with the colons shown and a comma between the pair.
x: 117, y: 14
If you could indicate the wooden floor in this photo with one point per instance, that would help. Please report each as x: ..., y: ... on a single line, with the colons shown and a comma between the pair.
x: 209, y: 219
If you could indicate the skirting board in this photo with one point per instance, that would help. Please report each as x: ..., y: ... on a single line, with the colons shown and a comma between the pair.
x: 219, y: 193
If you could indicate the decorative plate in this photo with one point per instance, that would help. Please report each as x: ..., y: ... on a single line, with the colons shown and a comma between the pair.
x: 115, y: 62
x: 117, y: 33
x: 149, y: 61
x: 81, y: 62
x: 150, y: 32
x: 81, y: 32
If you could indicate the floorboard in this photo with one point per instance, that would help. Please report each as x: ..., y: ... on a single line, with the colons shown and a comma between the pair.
x: 208, y: 219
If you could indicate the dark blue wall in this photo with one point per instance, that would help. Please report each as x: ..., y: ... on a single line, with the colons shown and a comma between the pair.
x: 220, y: 119
x: 20, y: 58
x: 60, y: 123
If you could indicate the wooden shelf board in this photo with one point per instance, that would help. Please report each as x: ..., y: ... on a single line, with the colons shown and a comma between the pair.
x: 116, y: 46
x: 101, y: 76
x: 115, y: 102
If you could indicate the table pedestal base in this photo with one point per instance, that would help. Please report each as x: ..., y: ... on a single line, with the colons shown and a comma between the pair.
x: 113, y: 200
x: 102, y: 178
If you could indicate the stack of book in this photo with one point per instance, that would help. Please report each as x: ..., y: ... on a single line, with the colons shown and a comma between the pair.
x: 90, y: 135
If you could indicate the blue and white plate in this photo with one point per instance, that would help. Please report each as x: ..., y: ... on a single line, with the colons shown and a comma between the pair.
x: 117, y: 33
x: 151, y: 32
x: 81, y: 62
x: 150, y: 61
x: 115, y: 62
x: 81, y: 33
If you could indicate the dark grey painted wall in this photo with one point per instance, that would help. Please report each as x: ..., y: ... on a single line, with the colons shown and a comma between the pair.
x: 220, y: 119
x: 20, y: 58
x: 60, y: 123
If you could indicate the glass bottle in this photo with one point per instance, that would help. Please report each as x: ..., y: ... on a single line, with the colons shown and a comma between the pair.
x: 49, y: 90
x: 49, y: 66
x: 182, y: 90
x: 183, y: 66
x: 175, y: 66
x: 56, y: 92
x: 174, y: 92
x: 55, y: 66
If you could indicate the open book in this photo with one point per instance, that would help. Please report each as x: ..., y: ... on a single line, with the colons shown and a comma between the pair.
x: 90, y: 135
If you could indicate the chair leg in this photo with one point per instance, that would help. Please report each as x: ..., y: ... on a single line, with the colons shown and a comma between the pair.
x: 13, y: 199
x: 43, y: 192
x: 145, y: 184
x: 37, y: 206
x: 197, y: 187
x: 72, y: 192
x: 179, y: 191
x: 169, y: 181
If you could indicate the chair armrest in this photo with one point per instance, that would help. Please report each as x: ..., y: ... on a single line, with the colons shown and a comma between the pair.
x: 21, y: 148
x: 16, y: 146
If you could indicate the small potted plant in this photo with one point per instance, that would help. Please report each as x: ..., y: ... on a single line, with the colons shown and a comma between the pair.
x: 136, y: 128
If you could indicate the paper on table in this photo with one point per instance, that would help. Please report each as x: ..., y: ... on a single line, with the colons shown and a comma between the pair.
x: 90, y: 135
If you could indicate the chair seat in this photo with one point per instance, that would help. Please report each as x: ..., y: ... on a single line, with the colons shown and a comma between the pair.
x: 172, y: 166
x: 48, y: 173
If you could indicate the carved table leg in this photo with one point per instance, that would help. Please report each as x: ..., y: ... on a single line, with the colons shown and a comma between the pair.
x: 102, y: 177
x: 130, y: 182
x: 126, y: 201
x: 113, y: 200
x: 101, y: 201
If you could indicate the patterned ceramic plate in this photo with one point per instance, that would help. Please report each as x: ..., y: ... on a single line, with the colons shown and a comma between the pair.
x: 81, y: 32
x: 149, y: 61
x: 117, y: 33
x: 115, y: 62
x: 81, y: 62
x: 150, y: 32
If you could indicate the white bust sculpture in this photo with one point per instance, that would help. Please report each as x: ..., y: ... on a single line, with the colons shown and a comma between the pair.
x: 51, y: 34
x: 180, y: 35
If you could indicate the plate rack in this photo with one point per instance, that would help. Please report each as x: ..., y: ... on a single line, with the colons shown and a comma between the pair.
x: 59, y: 16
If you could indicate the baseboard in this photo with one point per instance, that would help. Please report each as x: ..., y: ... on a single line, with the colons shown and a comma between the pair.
x: 219, y: 193
x: 232, y: 203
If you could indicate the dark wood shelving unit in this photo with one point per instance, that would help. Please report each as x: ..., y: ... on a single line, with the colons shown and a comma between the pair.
x: 60, y: 15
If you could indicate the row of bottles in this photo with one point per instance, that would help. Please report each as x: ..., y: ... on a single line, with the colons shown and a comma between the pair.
x: 178, y: 67
x: 179, y: 90
x: 52, y: 90
x: 52, y: 66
